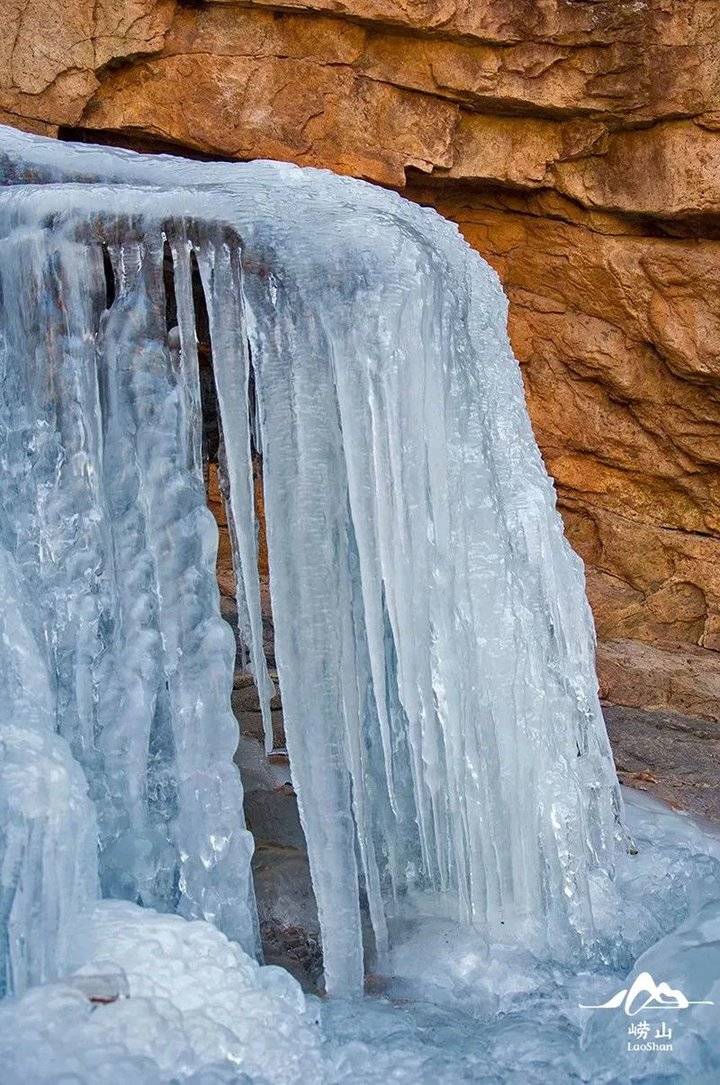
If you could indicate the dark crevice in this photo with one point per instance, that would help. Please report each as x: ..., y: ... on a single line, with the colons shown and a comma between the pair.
x: 253, y: 405
x: 431, y: 189
x: 110, y: 286
x: 211, y: 433
x: 171, y: 317
x: 136, y: 139
x: 425, y: 188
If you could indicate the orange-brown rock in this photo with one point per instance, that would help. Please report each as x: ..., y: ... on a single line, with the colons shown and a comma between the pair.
x: 52, y: 50
x: 576, y: 143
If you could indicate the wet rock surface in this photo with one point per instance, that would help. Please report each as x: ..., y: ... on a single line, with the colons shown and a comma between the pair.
x: 674, y: 757
x: 289, y: 927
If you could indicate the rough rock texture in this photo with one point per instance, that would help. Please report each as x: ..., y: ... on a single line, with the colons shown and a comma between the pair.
x: 673, y: 756
x: 577, y: 144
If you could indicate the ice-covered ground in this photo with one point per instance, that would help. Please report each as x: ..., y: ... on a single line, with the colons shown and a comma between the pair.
x: 194, y: 1007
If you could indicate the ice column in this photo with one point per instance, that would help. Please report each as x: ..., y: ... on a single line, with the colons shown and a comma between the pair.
x: 48, y: 835
x: 107, y: 519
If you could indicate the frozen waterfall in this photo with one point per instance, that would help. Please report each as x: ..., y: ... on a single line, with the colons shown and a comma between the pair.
x: 434, y: 645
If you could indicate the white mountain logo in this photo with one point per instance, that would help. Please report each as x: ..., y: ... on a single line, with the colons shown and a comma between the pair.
x: 645, y: 994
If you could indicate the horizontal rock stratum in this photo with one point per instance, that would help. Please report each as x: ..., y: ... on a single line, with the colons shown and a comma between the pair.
x: 576, y: 143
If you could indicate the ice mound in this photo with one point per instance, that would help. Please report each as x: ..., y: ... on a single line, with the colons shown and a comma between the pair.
x: 195, y: 1000
x: 670, y: 927
x: 457, y: 1007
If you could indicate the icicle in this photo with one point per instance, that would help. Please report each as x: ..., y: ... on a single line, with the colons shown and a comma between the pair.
x: 220, y: 271
x: 306, y: 509
x: 181, y: 248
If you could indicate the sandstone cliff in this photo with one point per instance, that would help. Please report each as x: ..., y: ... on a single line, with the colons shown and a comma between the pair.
x: 577, y: 144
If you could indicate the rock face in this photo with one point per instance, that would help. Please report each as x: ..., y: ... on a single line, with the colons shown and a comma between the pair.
x: 673, y: 756
x: 576, y: 143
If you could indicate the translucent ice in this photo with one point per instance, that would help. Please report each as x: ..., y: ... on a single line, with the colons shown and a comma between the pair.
x: 434, y: 645
x: 48, y: 854
x: 48, y: 836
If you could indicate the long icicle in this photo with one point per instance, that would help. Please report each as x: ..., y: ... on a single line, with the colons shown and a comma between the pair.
x: 221, y: 275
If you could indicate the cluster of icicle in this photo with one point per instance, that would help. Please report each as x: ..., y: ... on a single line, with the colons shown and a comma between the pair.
x: 433, y: 642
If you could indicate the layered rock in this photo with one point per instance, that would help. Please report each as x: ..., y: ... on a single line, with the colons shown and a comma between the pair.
x: 576, y: 143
